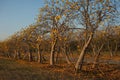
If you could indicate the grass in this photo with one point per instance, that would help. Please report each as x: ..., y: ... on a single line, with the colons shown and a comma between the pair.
x: 22, y: 70
x: 13, y: 70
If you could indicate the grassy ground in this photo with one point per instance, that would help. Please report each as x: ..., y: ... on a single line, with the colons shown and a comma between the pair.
x: 22, y: 70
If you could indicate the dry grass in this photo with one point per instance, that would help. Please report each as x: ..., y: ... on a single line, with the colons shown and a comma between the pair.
x: 22, y: 70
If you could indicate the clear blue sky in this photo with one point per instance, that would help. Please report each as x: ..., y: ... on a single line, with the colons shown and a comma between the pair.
x: 17, y: 14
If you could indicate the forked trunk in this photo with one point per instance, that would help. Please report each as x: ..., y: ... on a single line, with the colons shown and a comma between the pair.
x: 67, y: 59
x: 79, y: 62
x: 97, y: 57
x: 66, y: 56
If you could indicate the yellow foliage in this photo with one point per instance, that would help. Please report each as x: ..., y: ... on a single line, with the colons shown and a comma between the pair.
x: 72, y: 6
x: 57, y: 18
x: 78, y: 7
x: 55, y: 31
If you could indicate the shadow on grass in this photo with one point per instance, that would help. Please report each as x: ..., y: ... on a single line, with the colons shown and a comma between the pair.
x: 13, y: 70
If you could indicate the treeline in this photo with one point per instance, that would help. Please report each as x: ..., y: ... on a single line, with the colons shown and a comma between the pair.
x: 65, y: 27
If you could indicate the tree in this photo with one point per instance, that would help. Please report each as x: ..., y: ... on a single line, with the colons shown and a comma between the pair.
x: 27, y: 36
x: 97, y: 45
x: 112, y: 39
x: 56, y: 15
x: 91, y: 15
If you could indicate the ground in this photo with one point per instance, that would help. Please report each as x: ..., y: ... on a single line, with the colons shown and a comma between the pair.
x: 11, y: 69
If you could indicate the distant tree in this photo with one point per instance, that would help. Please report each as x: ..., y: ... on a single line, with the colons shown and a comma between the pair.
x: 112, y: 41
x: 27, y: 37
x: 97, y: 45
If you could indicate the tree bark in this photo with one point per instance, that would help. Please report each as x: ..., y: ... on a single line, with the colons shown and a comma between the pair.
x: 39, y: 55
x: 56, y: 57
x: 79, y: 62
x: 116, y: 47
x: 15, y: 54
x: 66, y: 56
x: 18, y: 55
x: 52, y: 56
x: 93, y: 49
x: 97, y: 57
x: 57, y: 54
x: 110, y: 49
x: 30, y: 55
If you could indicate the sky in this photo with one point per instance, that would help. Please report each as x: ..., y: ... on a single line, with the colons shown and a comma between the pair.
x: 17, y: 14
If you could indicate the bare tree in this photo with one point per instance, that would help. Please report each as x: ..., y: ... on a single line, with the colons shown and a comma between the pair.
x: 97, y: 45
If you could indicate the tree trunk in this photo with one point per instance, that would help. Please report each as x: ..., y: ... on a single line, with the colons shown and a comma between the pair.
x: 93, y: 49
x: 97, y: 57
x: 66, y: 56
x: 57, y: 54
x: 79, y: 62
x: 25, y: 55
x: 18, y: 55
x: 52, y: 56
x: 116, y: 48
x: 111, y: 54
x: 56, y: 57
x: 39, y: 55
x: 15, y: 54
x: 8, y: 55
x: 30, y: 55
x: 110, y: 49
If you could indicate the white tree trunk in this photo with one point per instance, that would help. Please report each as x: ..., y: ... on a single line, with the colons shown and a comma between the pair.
x: 79, y: 62
x: 52, y: 55
x: 39, y: 55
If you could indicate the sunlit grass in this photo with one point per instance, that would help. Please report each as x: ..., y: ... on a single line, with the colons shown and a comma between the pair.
x: 11, y: 69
